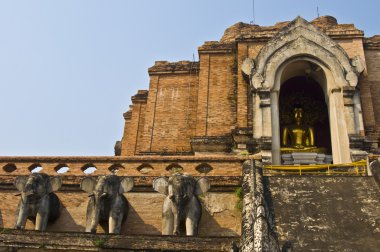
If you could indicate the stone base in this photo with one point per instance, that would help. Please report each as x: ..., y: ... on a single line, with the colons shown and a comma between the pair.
x: 301, y: 158
x: 211, y: 144
x: 304, y: 157
x: 357, y: 155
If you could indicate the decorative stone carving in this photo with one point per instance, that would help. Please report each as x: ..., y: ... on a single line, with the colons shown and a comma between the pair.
x: 107, y: 202
x: 302, y: 42
x: 358, y: 63
x: 117, y: 148
x: 300, y: 37
x: 38, y: 202
x: 257, y: 80
x: 248, y: 66
x: 257, y: 231
x: 375, y: 170
x: 352, y: 78
x: 181, y: 211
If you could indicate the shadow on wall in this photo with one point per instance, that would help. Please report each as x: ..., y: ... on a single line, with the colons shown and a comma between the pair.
x: 136, y: 225
x: 65, y: 223
x: 208, y: 226
x: 220, y: 217
x: 271, y: 213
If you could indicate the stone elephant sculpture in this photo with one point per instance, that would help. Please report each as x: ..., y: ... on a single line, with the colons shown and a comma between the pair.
x: 181, y: 210
x: 107, y: 202
x: 38, y: 202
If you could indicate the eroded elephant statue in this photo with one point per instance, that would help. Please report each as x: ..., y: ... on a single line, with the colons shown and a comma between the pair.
x: 182, y: 210
x: 107, y: 202
x: 38, y: 202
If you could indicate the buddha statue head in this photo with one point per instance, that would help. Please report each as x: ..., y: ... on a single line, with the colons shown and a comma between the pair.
x: 298, y: 114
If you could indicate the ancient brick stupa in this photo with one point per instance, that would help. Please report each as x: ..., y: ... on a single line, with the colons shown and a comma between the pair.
x: 273, y: 124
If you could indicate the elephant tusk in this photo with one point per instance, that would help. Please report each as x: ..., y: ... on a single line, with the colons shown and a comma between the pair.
x: 90, y: 195
x: 28, y: 194
x: 103, y: 194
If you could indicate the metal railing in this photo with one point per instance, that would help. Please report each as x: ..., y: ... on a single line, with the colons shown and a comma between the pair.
x: 358, y: 168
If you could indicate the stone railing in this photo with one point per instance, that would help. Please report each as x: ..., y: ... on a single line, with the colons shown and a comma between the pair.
x: 123, y: 166
x: 257, y: 224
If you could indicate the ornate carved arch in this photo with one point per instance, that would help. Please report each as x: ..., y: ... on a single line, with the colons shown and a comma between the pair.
x: 301, y: 41
x: 300, y: 38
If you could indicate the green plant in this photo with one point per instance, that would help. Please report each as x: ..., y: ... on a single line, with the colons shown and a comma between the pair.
x: 244, y: 153
x: 99, y: 243
x: 5, y: 230
x: 239, y: 195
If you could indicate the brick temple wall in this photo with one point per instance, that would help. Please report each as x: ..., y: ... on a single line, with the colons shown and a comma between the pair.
x: 244, y: 100
x: 372, y: 84
x: 170, y: 113
x: 216, y: 106
x: 212, y: 97
x: 134, y: 124
x: 221, y: 105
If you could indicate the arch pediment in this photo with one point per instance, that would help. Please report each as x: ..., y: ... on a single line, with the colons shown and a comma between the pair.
x: 302, y: 39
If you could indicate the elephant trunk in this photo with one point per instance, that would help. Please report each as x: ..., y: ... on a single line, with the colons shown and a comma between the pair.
x: 178, y: 217
x: 95, y: 216
x: 95, y: 213
x: 23, y: 210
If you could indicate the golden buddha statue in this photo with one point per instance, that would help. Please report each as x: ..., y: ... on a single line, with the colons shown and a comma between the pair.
x: 299, y: 137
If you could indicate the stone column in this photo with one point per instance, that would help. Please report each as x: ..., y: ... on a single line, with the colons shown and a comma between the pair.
x: 276, y: 152
x: 257, y: 116
x: 338, y: 128
x: 359, y: 125
x: 265, y: 103
x: 348, y: 95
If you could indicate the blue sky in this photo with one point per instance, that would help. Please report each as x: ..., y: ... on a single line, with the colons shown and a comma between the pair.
x: 69, y: 67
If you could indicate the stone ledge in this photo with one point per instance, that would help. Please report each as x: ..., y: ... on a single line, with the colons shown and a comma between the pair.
x: 48, y: 241
x: 131, y: 166
x: 140, y: 97
x: 126, y: 159
x: 165, y: 67
x: 216, y: 47
x: 372, y: 42
x: 127, y: 115
x: 221, y: 144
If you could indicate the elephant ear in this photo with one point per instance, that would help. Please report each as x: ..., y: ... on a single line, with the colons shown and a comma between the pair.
x: 20, y: 182
x: 161, y: 185
x: 126, y: 184
x: 88, y: 184
x: 55, y: 184
x: 201, y: 186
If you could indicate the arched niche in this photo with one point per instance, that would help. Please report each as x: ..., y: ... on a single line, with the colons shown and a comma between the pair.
x: 304, y: 91
x: 304, y: 83
x: 334, y: 100
x: 297, y: 50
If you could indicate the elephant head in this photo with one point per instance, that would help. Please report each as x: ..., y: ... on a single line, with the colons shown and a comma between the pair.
x: 37, y: 199
x: 107, y: 202
x: 181, y: 209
